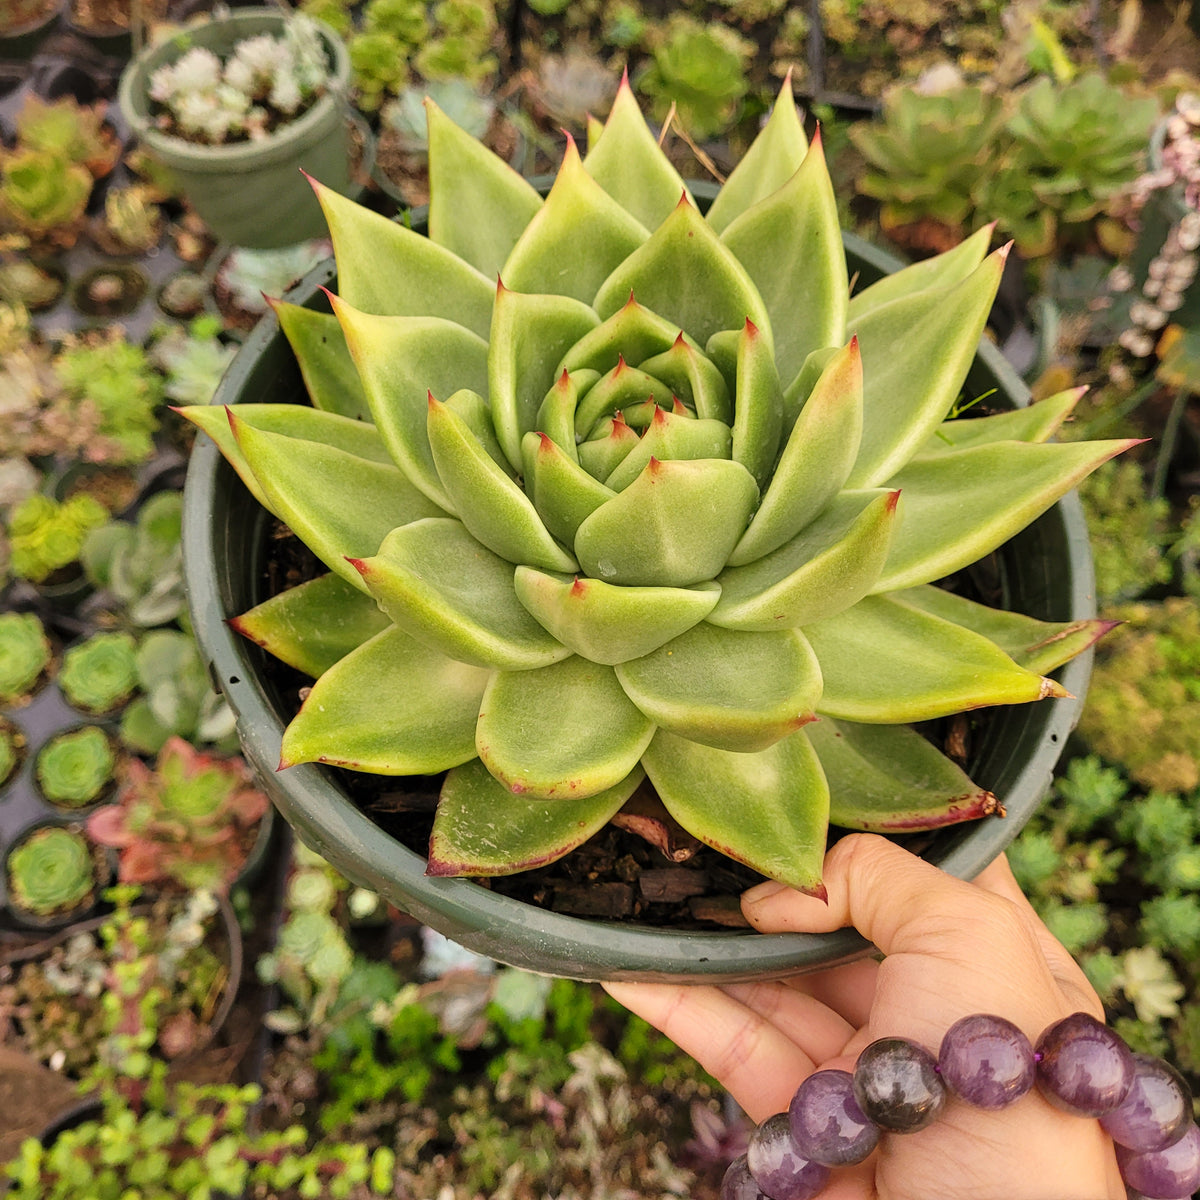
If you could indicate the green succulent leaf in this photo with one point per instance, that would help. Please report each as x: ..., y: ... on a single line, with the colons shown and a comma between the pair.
x: 915, y: 352
x: 768, y: 810
x: 633, y: 334
x: 693, y: 378
x: 529, y: 337
x: 815, y: 462
x: 492, y: 507
x: 672, y: 437
x: 598, y: 733
x: 1034, y: 423
x: 319, y: 345
x: 474, y: 804
x: 391, y: 271
x: 561, y: 490
x: 961, y: 505
x: 1035, y: 645
x: 289, y: 420
x: 627, y: 163
x: 393, y: 706
x: 686, y: 275
x: 889, y: 779
x: 622, y: 388
x: 941, y: 271
x: 313, y: 625
x: 758, y: 419
x: 556, y: 416
x: 401, y: 360
x: 767, y: 166
x: 791, y: 235
x: 341, y: 505
x: 576, y: 239
x: 886, y: 662
x: 438, y: 583
x: 482, y: 222
x: 673, y: 526
x: 610, y: 624
x: 725, y: 688
x: 612, y: 439
x: 832, y: 565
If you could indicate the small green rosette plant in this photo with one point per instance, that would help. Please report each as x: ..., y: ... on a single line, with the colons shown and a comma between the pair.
x: 644, y: 493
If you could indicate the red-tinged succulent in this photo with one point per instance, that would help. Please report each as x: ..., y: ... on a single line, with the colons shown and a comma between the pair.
x: 188, y: 821
x: 647, y: 507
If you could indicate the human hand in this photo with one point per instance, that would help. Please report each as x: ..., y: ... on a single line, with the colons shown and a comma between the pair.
x: 951, y: 949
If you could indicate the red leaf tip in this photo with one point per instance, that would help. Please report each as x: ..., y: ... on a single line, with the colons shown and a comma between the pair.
x: 892, y: 500
x: 359, y: 564
x: 751, y: 328
x: 578, y: 588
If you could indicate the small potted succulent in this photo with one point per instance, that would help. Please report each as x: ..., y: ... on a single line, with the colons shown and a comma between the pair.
x: 74, y: 769
x: 626, y: 524
x: 234, y: 107
x: 54, y: 875
x: 25, y: 654
x: 190, y: 822
x: 99, y: 674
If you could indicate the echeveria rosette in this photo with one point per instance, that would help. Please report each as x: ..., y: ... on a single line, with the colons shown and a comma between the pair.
x: 644, y: 493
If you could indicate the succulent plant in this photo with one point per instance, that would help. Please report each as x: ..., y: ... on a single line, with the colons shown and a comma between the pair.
x: 141, y: 563
x: 1080, y: 142
x: 266, y: 80
x: 73, y: 768
x: 113, y: 377
x: 178, y: 698
x: 70, y: 131
x: 100, y: 673
x: 11, y: 742
x: 132, y: 218
x: 460, y: 47
x: 193, y: 360
x: 251, y: 274
x: 926, y: 155
x: 43, y: 194
x: 667, y: 539
x: 186, y: 821
x: 24, y: 654
x: 47, y: 535
x: 701, y: 70
x: 51, y: 871
x: 405, y: 20
x: 193, y: 1140
x: 378, y: 65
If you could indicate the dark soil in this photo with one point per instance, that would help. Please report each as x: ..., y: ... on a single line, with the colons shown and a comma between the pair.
x: 31, y: 1097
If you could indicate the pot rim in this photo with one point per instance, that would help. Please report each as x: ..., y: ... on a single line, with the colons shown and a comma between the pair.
x: 507, y: 929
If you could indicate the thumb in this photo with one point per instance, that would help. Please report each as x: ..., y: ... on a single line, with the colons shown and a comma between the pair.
x: 895, y: 899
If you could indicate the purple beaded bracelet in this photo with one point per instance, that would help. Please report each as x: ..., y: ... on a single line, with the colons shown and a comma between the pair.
x: 1080, y: 1065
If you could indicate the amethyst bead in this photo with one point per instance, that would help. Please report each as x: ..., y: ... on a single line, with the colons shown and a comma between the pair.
x: 738, y: 1184
x: 1156, y: 1110
x: 897, y: 1086
x: 1084, y: 1068
x: 778, y: 1167
x: 1170, y: 1174
x: 987, y: 1061
x: 827, y: 1124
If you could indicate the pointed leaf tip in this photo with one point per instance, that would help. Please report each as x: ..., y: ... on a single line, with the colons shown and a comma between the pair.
x: 893, y: 500
x: 751, y: 328
x: 625, y: 76
x: 1003, y: 252
x: 1054, y: 690
x: 358, y: 564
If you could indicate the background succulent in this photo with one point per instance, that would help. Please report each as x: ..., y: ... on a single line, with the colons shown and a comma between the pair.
x: 24, y: 654
x: 186, y: 821
x: 667, y: 539
x: 51, y: 871
x: 74, y: 768
x: 47, y: 535
x: 99, y: 674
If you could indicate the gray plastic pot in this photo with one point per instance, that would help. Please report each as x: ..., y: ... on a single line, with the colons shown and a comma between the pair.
x: 250, y: 193
x: 1045, y: 571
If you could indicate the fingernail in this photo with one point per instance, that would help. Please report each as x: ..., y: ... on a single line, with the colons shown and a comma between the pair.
x: 763, y: 891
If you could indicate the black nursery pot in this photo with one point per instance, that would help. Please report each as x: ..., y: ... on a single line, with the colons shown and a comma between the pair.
x: 1045, y: 571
